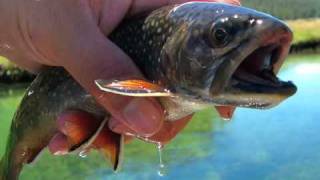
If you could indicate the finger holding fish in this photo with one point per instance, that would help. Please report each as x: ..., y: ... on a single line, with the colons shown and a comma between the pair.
x: 79, y: 132
x: 76, y: 136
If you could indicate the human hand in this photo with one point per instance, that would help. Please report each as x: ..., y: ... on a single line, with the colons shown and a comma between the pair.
x: 80, y: 132
x: 72, y: 34
x: 168, y: 130
x: 76, y: 127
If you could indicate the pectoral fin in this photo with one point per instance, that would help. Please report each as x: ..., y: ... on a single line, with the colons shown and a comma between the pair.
x: 111, y: 145
x: 137, y: 88
x: 226, y: 112
x: 107, y: 142
x: 114, y: 152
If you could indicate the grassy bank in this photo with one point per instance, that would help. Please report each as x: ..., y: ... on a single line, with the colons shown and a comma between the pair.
x: 286, y: 9
x: 306, y: 35
x: 9, y: 73
x: 4, y: 62
x: 305, y: 30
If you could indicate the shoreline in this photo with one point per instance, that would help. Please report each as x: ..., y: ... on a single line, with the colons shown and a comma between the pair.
x: 309, y: 46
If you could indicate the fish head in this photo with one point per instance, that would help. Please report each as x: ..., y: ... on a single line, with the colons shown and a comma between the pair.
x: 227, y: 55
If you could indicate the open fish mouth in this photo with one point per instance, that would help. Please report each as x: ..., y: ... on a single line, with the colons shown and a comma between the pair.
x: 250, y: 80
x: 257, y: 73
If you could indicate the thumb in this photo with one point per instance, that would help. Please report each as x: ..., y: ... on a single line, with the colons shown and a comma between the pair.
x: 88, y: 55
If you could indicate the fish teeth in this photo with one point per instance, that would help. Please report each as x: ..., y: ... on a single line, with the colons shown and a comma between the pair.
x: 268, y: 74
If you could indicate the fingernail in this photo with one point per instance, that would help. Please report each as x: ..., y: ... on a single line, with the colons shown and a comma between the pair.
x: 144, y: 116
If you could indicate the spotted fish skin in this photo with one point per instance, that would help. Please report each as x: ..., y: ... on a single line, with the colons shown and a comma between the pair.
x: 144, y: 40
x: 34, y: 122
x: 173, y: 48
x: 169, y: 46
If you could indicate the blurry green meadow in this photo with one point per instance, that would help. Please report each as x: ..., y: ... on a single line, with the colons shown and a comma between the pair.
x: 4, y: 61
x: 286, y: 9
x: 305, y: 30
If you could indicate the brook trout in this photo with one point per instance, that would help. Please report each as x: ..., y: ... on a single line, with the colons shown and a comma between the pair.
x: 194, y: 55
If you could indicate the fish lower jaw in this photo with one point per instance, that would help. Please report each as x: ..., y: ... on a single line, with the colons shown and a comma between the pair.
x: 267, y: 83
x: 254, y: 83
x: 254, y: 101
x: 259, y: 96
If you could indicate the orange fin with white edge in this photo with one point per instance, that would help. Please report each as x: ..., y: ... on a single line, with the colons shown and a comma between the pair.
x: 136, y: 88
x: 226, y: 112
x: 114, y: 152
x: 111, y: 145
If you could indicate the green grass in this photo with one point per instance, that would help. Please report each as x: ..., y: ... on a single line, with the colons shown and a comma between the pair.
x: 9, y: 99
x: 286, y: 9
x: 305, y: 30
x: 4, y: 61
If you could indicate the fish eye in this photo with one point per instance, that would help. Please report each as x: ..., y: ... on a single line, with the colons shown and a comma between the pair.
x: 219, y: 37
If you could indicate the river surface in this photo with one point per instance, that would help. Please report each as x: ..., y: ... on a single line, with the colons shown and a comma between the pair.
x: 280, y: 143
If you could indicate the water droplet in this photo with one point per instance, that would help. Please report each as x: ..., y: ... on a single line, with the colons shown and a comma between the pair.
x: 162, y: 167
x: 160, y: 146
x: 226, y: 119
x: 162, y: 170
x: 83, y: 153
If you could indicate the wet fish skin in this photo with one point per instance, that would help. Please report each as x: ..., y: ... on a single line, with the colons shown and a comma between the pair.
x: 34, y: 122
x: 179, y: 55
x: 171, y: 49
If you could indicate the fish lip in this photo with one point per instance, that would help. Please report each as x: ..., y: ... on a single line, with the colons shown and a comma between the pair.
x: 275, y: 40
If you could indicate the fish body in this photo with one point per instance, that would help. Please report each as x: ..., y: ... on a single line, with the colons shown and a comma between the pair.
x: 193, y: 55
